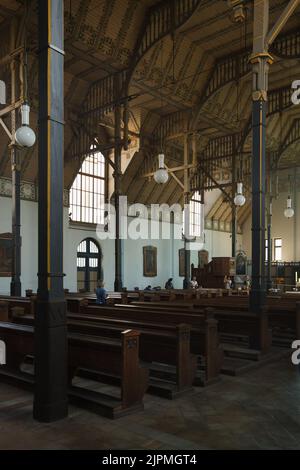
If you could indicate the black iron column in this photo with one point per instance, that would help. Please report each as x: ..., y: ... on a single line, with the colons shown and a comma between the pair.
x: 269, y: 225
x: 15, y: 285
x: 186, y: 197
x: 269, y: 238
x: 50, y: 399
x: 260, y: 61
x: 233, y: 207
x: 233, y: 230
x: 258, y: 290
x: 117, y: 178
x: 187, y: 252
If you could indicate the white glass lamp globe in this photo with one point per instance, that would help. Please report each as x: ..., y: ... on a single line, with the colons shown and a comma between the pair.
x: 289, y: 212
x: 239, y: 199
x: 25, y: 136
x: 161, y: 176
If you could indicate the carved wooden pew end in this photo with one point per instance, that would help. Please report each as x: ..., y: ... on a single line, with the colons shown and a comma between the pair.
x: 4, y: 311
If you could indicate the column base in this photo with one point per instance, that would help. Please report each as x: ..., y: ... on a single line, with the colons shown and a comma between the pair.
x: 15, y: 288
x: 257, y: 300
x: 51, y: 366
x: 48, y: 413
x: 118, y: 285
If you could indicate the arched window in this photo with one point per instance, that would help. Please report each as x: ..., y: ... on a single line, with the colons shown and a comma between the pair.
x: 89, y: 270
x: 87, y: 195
x: 196, y: 216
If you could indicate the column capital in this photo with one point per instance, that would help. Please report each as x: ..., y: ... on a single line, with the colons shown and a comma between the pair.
x: 261, y: 56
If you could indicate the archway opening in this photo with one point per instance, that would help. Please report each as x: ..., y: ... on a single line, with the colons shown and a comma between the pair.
x: 89, y: 265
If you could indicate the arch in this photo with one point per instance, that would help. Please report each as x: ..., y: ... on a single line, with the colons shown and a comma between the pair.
x: 89, y: 265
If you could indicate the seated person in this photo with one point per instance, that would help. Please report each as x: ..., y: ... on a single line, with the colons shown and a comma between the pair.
x: 247, y: 282
x: 227, y: 282
x: 194, y: 283
x: 148, y: 288
x: 101, y: 294
x: 169, y: 284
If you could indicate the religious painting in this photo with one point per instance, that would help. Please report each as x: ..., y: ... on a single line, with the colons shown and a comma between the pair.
x: 149, y: 261
x: 5, y: 254
x: 202, y: 258
x: 241, y: 260
x: 181, y: 262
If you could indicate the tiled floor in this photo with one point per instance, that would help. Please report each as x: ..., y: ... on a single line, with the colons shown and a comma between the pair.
x: 259, y: 410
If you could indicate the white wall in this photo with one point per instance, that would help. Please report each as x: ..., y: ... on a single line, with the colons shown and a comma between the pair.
x: 29, y: 236
x: 217, y: 244
x: 287, y: 229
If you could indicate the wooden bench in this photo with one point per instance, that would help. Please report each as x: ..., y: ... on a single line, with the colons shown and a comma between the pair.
x: 232, y: 321
x: 28, y: 303
x: 204, y: 332
x: 167, y: 347
x: 163, y: 345
x: 117, y: 357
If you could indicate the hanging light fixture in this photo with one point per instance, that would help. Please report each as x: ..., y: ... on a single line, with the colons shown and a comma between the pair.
x: 239, y: 199
x: 289, y: 211
x: 25, y: 136
x: 161, y: 175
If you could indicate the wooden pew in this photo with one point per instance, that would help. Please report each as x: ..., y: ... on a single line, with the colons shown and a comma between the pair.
x: 204, y: 333
x: 284, y: 317
x: 28, y: 303
x: 233, y: 321
x: 164, y: 345
x: 168, y: 346
x: 117, y: 357
x: 4, y: 310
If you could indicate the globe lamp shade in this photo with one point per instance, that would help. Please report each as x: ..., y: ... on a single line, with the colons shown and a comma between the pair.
x: 239, y: 199
x: 25, y: 136
x: 289, y: 211
x: 161, y: 176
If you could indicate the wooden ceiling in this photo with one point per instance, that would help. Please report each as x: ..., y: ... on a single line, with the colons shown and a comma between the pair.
x: 174, y: 83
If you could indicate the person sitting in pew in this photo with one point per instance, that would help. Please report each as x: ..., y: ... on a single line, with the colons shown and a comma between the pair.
x: 169, y: 284
x: 101, y: 294
x: 148, y: 288
x: 227, y: 282
x: 194, y: 283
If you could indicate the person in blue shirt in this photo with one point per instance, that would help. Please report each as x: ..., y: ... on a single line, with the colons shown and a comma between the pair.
x: 101, y: 294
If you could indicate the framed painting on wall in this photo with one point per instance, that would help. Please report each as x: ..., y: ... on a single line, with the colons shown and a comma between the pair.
x: 5, y: 254
x: 202, y: 258
x: 241, y: 260
x: 181, y: 262
x: 149, y: 261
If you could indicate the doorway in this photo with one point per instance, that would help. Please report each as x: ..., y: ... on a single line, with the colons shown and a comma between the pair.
x: 89, y: 269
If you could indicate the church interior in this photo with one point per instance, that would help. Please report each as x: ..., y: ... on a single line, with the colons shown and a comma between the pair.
x: 149, y: 224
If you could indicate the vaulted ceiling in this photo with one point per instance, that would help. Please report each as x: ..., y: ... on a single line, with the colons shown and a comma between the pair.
x: 189, y: 73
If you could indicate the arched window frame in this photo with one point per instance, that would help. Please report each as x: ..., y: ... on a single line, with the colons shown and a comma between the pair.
x: 88, y: 193
x: 196, y: 215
